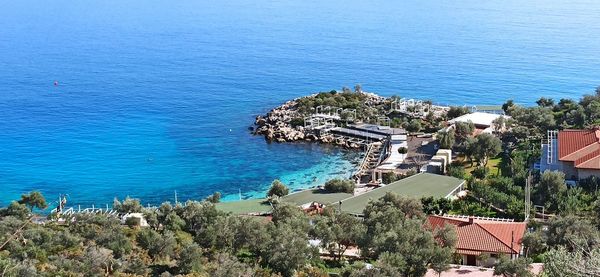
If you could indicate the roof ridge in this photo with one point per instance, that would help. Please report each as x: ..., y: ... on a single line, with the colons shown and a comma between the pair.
x: 493, y: 235
x: 577, y: 130
x: 592, y: 155
x: 449, y: 218
x: 568, y: 157
x: 582, y: 165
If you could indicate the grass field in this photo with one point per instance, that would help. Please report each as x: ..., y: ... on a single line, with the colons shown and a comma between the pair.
x: 493, y: 165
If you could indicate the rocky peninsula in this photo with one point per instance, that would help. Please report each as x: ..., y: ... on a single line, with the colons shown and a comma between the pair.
x: 299, y: 119
x: 304, y: 118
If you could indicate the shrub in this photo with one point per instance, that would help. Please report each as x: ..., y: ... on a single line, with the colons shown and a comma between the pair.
x: 339, y: 185
x: 414, y: 125
x: 389, y: 177
x: 480, y: 172
x: 457, y: 171
x: 455, y: 112
x: 402, y: 150
x: 129, y: 205
x: 132, y: 221
x: 410, y: 172
x: 297, y: 121
x: 214, y: 198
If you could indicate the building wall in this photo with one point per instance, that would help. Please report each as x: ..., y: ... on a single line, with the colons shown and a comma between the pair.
x: 492, y: 260
x: 585, y: 173
x: 454, y: 194
x: 569, y: 170
x: 544, y: 165
x: 571, y: 173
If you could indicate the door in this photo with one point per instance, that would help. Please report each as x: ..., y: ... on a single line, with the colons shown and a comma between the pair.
x: 471, y: 260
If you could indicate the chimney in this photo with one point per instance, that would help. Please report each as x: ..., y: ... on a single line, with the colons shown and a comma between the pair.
x: 471, y: 219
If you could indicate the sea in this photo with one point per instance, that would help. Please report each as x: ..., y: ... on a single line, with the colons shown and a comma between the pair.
x: 148, y: 99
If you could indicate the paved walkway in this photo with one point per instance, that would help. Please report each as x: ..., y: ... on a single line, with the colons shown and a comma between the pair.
x: 474, y: 271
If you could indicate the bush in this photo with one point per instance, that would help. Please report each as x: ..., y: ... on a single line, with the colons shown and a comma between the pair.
x: 297, y: 121
x: 402, y: 150
x: 410, y: 172
x: 344, y: 100
x: 457, y: 171
x: 455, y: 112
x: 480, y: 172
x: 132, y: 221
x: 129, y: 205
x: 339, y: 185
x: 389, y: 177
x: 214, y: 198
x: 414, y: 125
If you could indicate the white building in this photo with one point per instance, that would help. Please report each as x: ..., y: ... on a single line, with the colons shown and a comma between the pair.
x: 484, y: 122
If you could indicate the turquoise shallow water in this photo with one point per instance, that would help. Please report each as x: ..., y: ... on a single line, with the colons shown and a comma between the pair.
x: 157, y: 96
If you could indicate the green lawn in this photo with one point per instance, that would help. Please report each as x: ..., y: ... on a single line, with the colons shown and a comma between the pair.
x: 493, y: 165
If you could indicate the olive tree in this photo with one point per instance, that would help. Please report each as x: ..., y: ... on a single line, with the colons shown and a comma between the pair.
x: 15, y: 209
x: 512, y: 268
x: 277, y: 189
x: 129, y: 205
x: 580, y: 262
x: 551, y: 186
x: 214, y: 198
x: 158, y: 245
x: 414, y: 125
x: 396, y: 232
x: 190, y: 259
x: 463, y: 130
x: 288, y: 249
x: 446, y: 139
x: 337, y: 232
x: 486, y: 147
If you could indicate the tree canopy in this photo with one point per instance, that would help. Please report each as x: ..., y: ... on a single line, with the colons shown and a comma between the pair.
x: 278, y: 189
x: 33, y: 200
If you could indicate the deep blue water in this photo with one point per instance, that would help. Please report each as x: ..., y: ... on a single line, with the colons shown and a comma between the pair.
x: 156, y: 96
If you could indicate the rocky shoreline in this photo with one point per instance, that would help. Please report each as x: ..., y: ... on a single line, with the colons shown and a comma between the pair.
x: 285, y: 123
x: 276, y: 125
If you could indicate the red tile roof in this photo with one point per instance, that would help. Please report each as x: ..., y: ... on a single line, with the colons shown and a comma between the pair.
x: 483, y: 236
x: 582, y: 147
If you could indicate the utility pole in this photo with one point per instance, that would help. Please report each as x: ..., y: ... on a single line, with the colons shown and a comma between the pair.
x: 528, y: 197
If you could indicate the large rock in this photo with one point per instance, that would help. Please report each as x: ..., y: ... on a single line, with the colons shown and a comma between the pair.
x: 269, y: 134
x: 311, y: 137
x: 326, y: 139
x: 260, y: 121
